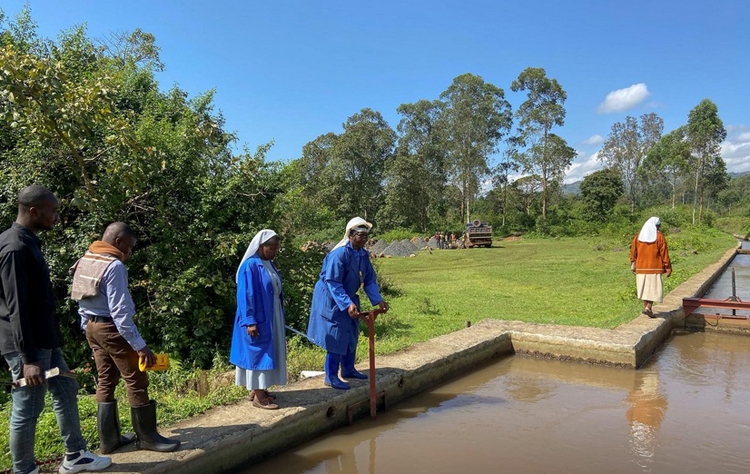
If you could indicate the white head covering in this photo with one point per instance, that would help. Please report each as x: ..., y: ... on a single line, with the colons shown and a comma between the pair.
x: 260, y: 238
x: 355, y: 222
x: 648, y: 231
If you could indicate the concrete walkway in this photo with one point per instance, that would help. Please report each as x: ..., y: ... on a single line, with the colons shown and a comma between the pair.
x: 235, y: 436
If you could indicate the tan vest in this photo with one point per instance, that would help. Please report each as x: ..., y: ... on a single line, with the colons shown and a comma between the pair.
x: 87, y: 274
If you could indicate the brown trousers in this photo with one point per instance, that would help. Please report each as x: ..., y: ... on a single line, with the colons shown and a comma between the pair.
x: 114, y: 357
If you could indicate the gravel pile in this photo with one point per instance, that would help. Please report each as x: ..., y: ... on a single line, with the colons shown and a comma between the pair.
x: 378, y: 247
x: 411, y: 245
x: 432, y: 243
x: 399, y: 249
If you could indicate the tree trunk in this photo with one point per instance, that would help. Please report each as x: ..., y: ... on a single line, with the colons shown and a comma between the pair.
x: 695, y: 191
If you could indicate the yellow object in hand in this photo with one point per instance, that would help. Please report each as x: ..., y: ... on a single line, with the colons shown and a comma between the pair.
x: 162, y: 363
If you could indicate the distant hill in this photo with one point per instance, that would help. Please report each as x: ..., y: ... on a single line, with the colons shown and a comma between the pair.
x: 575, y: 188
x: 572, y: 188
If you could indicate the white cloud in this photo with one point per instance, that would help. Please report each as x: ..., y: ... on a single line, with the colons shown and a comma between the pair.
x: 624, y: 99
x: 582, y: 167
x: 736, y: 148
x: 594, y: 140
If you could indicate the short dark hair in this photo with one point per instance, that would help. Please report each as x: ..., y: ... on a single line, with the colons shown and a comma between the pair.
x: 118, y: 229
x: 32, y: 196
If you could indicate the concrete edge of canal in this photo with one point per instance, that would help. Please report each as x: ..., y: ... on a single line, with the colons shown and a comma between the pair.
x: 236, y: 436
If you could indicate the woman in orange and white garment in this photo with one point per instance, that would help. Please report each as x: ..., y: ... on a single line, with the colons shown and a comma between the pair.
x: 649, y: 260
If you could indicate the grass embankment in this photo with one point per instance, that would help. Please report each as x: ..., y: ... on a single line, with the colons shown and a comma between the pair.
x: 571, y: 281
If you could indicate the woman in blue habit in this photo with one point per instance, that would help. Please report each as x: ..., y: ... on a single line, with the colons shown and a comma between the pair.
x: 334, y: 320
x: 258, y: 340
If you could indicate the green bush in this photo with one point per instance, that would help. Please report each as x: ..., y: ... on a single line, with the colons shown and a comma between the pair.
x: 395, y: 234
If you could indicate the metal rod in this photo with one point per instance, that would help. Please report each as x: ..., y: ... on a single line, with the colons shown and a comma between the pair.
x: 300, y: 333
x: 371, y: 334
x: 734, y: 292
x: 369, y: 317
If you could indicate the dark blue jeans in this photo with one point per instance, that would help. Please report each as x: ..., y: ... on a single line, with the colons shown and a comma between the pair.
x: 28, y: 403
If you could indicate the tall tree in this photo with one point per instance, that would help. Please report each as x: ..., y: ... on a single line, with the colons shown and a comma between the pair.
x: 345, y: 172
x: 627, y: 146
x: 416, y: 175
x: 360, y: 154
x: 667, y: 161
x: 527, y: 189
x: 705, y: 131
x: 501, y: 179
x: 538, y: 115
x: 476, y: 117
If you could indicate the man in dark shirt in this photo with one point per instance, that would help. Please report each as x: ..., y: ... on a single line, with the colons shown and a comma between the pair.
x: 30, y: 339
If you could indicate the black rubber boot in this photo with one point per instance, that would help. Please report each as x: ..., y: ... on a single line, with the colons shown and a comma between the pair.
x: 108, y: 425
x: 144, y: 423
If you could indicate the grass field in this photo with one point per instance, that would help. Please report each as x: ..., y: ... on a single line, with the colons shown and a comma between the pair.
x: 576, y: 282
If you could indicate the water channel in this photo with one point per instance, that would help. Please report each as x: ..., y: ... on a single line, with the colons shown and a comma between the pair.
x: 686, y: 411
x: 722, y: 288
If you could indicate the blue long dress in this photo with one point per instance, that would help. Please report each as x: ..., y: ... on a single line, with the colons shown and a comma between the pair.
x: 344, y: 271
x: 260, y: 361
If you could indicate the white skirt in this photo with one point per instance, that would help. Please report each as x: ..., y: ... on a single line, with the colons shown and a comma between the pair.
x: 650, y: 286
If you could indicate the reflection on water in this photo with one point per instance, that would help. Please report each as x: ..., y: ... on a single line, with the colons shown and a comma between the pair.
x: 648, y: 405
x: 688, y: 411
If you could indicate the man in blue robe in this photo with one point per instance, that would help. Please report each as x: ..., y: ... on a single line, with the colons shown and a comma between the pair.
x: 334, y: 316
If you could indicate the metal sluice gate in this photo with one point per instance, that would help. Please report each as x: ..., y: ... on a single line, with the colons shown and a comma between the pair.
x: 733, y: 303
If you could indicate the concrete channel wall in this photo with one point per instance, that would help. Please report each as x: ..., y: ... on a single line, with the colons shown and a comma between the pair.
x: 232, y: 437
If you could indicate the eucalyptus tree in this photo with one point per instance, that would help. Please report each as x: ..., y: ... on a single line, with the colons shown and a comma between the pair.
x: 416, y: 174
x: 667, y: 162
x: 359, y: 155
x: 705, y: 132
x: 527, y: 190
x: 627, y: 146
x: 315, y: 172
x: 501, y: 180
x: 538, y: 115
x: 476, y: 117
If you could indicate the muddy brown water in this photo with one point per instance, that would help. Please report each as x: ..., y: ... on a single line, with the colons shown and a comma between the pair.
x: 686, y: 411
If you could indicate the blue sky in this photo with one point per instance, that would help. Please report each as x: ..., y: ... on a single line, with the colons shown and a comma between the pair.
x: 289, y: 71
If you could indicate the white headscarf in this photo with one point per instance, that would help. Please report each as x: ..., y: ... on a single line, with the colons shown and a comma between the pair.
x: 260, y: 238
x: 355, y: 222
x: 648, y: 231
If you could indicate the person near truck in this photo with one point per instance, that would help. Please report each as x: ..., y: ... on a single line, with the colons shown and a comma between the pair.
x: 649, y: 260
x: 100, y: 285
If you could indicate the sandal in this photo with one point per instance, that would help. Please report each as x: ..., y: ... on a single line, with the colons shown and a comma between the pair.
x: 251, y: 395
x: 648, y: 313
x: 265, y: 404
